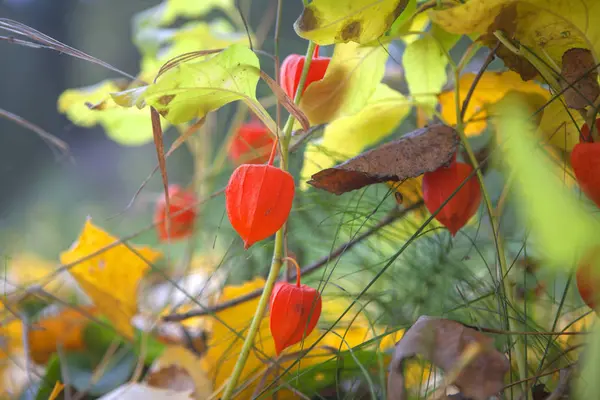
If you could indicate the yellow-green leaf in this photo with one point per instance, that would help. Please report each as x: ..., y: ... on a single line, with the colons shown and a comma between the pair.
x: 348, y: 136
x: 560, y: 126
x: 351, y: 78
x: 194, y: 88
x: 168, y: 11
x: 425, y: 65
x: 558, y: 222
x: 193, y: 36
x: 341, y: 21
x: 129, y: 127
x: 111, y: 277
x: 492, y: 87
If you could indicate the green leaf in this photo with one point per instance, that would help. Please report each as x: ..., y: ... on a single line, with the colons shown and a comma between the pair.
x: 557, y: 220
x: 348, y: 136
x: 53, y: 375
x: 340, y: 21
x: 80, y: 370
x: 194, y: 88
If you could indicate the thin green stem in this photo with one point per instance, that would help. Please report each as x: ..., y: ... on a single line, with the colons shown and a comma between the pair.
x: 278, y: 252
x: 499, y: 242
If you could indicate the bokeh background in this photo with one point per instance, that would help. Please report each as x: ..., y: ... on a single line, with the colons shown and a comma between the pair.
x: 44, y: 198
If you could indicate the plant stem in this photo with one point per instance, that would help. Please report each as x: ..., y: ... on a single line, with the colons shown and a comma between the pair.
x: 511, y: 315
x: 278, y: 251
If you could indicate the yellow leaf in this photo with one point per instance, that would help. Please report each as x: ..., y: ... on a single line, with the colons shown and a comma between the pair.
x: 351, y: 78
x: 346, y: 137
x: 194, y: 88
x: 548, y: 28
x: 224, y: 345
x: 129, y: 127
x: 560, y: 126
x: 341, y: 21
x: 492, y: 87
x: 58, y: 387
x: 28, y: 269
x: 110, y: 278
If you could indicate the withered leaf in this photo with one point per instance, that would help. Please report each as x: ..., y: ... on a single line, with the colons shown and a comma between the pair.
x: 579, y: 70
x: 172, y: 377
x: 420, y: 151
x: 442, y: 342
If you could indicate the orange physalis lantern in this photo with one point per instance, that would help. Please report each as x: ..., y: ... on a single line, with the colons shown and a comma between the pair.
x: 295, y: 311
x: 439, y: 185
x: 291, y: 71
x: 588, y: 279
x: 182, y: 210
x: 252, y: 144
x: 585, y: 160
x: 258, y: 200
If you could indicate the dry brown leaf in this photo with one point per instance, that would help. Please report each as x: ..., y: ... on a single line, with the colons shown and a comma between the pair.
x: 420, y: 151
x: 172, y: 377
x: 579, y: 70
x: 442, y: 342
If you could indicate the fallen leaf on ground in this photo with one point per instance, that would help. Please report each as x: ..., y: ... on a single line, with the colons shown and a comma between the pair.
x: 346, y: 137
x: 110, y: 278
x: 64, y: 330
x: 340, y: 21
x: 418, y: 152
x: 490, y: 89
x: 443, y: 342
x: 178, y: 369
x: 135, y: 391
x: 352, y: 77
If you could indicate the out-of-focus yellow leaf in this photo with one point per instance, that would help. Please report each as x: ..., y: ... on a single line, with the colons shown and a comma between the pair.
x: 58, y: 388
x: 192, y: 9
x: 341, y: 21
x: 110, y: 278
x: 346, y: 137
x: 129, y: 127
x: 492, y: 87
x: 28, y: 269
x: 560, y: 126
x: 217, y: 34
x: 184, y: 359
x: 224, y: 345
x: 548, y: 28
x: 194, y: 88
x: 351, y: 79
x: 558, y: 222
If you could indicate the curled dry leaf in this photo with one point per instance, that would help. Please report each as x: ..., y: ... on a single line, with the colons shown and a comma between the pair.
x: 420, y: 151
x: 443, y: 342
x: 579, y: 70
